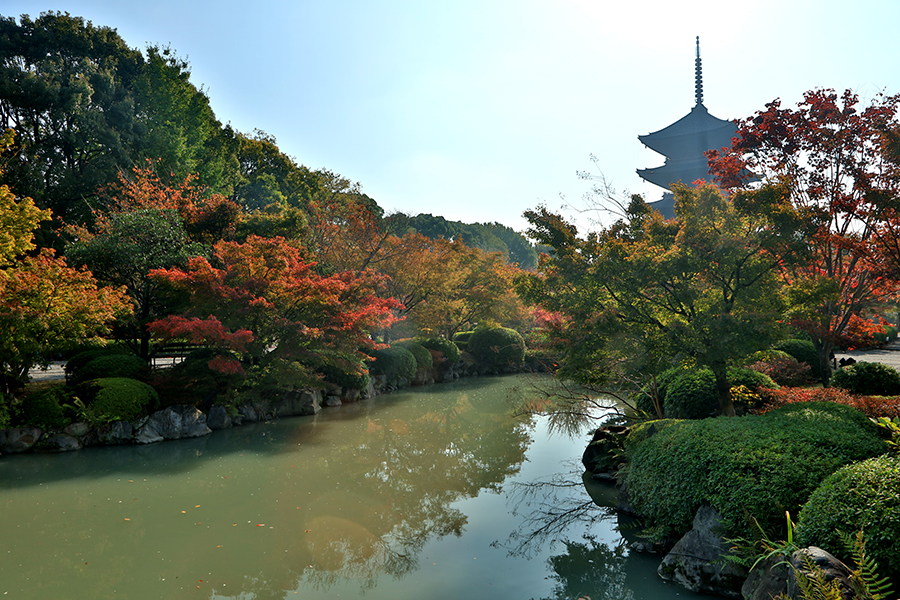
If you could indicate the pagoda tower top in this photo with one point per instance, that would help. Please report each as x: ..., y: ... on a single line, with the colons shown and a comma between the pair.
x: 684, y: 142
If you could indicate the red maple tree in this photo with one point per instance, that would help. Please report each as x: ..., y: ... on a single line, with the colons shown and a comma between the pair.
x: 830, y: 153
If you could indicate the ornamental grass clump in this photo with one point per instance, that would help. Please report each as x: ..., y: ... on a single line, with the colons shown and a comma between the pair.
x: 755, y: 466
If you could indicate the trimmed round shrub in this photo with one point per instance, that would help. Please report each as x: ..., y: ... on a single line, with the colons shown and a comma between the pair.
x: 804, y: 351
x: 420, y: 352
x: 76, y: 362
x: 497, y: 347
x: 395, y: 363
x: 45, y: 408
x: 863, y: 496
x: 119, y: 399
x: 113, y: 365
x: 444, y: 346
x: 758, y: 465
x: 868, y: 378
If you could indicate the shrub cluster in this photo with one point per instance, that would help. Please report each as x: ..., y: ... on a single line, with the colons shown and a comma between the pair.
x: 76, y: 362
x: 45, y: 408
x: 871, y: 406
x: 804, y: 351
x: 756, y: 466
x: 444, y: 346
x: 114, y: 365
x: 873, y: 379
x: 420, y: 352
x: 692, y: 394
x: 118, y: 399
x: 394, y: 363
x: 863, y: 496
x: 785, y: 370
x: 498, y: 348
x: 461, y: 339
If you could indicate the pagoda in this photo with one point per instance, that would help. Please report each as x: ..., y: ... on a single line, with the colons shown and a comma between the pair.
x: 683, y: 144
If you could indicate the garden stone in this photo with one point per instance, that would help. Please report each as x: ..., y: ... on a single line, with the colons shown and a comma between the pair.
x: 118, y: 432
x: 173, y: 423
x: 695, y: 560
x: 830, y: 566
x: 18, y: 439
x: 349, y: 395
x: 60, y: 442
x: 602, y: 454
x: 768, y: 579
x: 248, y: 413
x: 297, y: 403
x: 333, y: 400
x: 78, y: 430
x: 218, y: 418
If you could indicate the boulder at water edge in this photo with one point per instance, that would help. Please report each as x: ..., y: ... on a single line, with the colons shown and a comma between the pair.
x: 18, y: 439
x: 695, y: 560
x: 173, y: 423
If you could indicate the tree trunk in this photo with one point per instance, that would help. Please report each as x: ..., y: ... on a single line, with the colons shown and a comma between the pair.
x: 726, y: 406
x: 823, y: 350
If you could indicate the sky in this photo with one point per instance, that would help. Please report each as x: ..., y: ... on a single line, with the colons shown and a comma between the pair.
x: 477, y: 110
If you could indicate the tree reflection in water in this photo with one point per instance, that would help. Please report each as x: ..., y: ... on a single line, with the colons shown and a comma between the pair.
x: 555, y: 509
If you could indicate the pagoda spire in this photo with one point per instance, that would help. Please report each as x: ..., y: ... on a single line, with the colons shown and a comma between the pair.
x: 698, y: 76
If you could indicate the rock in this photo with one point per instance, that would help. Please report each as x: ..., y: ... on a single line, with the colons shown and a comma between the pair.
x: 695, y: 562
x: 297, y: 403
x: 768, y: 579
x: 332, y: 400
x: 60, y: 442
x: 349, y: 395
x: 831, y: 567
x: 118, y: 432
x: 248, y: 413
x: 173, y: 423
x: 603, y: 453
x: 218, y: 418
x: 18, y: 439
x: 422, y: 377
x: 78, y: 430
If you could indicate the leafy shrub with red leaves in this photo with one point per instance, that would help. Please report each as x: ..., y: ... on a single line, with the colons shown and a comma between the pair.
x: 871, y: 406
x: 785, y: 370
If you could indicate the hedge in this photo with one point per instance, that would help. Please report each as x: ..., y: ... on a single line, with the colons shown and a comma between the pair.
x: 757, y: 465
x: 497, y: 347
x: 868, y: 378
x: 395, y: 363
x: 444, y: 346
x: 119, y: 399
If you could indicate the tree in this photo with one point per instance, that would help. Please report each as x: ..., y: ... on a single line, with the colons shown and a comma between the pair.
x: 645, y: 292
x: 830, y: 155
x: 44, y: 304
x: 298, y: 320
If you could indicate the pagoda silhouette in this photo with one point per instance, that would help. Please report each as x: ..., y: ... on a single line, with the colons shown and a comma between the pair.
x: 683, y: 144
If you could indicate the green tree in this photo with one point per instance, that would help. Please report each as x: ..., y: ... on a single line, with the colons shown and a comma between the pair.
x: 125, y: 252
x: 645, y: 292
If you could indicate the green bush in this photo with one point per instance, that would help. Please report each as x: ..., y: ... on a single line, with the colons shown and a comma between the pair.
x: 119, y: 399
x: 692, y: 394
x: 358, y: 380
x: 497, y: 347
x: 863, y: 496
x: 461, y: 339
x: 804, y: 351
x: 867, y: 378
x: 444, y: 346
x: 420, y: 352
x: 115, y: 365
x: 756, y: 466
x: 76, y: 362
x: 395, y: 363
x: 45, y: 408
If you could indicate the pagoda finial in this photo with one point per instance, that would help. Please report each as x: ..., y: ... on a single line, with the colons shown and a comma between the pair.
x: 698, y: 77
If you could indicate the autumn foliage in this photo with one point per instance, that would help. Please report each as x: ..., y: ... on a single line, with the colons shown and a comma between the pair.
x: 263, y: 301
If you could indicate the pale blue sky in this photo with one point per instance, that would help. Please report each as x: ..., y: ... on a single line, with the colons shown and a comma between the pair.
x: 479, y: 110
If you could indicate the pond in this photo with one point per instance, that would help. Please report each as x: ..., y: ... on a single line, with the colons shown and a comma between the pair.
x: 435, y: 493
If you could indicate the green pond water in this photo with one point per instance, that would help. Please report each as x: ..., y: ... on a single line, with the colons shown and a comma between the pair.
x: 434, y: 493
